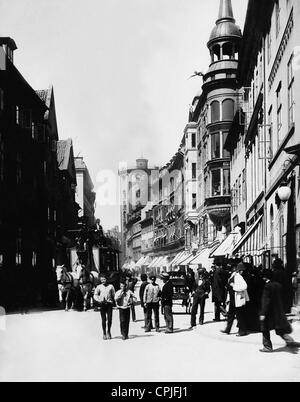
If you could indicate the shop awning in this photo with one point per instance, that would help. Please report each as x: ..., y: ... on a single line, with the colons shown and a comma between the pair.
x: 153, y: 262
x: 131, y: 265
x: 225, y: 249
x: 164, y: 262
x: 146, y: 261
x: 204, y: 259
x: 140, y: 262
x: 252, y: 240
x: 182, y: 258
x: 189, y: 259
x: 176, y: 258
x: 158, y: 262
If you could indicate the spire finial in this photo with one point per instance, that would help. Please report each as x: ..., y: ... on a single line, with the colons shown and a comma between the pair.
x: 225, y: 11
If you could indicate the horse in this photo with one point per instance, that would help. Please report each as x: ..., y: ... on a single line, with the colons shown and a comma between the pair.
x: 66, y: 286
x: 87, y: 281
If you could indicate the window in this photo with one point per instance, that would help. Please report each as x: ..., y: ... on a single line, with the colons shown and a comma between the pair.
x: 215, y: 146
x: 228, y: 109
x: 291, y: 101
x: 240, y: 190
x: 19, y: 247
x: 244, y: 186
x: 17, y: 115
x: 226, y: 154
x: 216, y: 182
x: 226, y: 182
x: 279, y: 114
x: 277, y: 17
x: 270, y: 134
x: 194, y: 201
x: 194, y: 170
x: 193, y: 140
x: 269, y: 46
x: 215, y: 111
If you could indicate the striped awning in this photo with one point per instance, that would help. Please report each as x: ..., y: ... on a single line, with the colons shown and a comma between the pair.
x: 177, y: 257
x: 226, y: 248
x: 189, y: 259
x: 252, y: 240
x: 182, y: 258
x: 153, y: 262
x: 140, y: 262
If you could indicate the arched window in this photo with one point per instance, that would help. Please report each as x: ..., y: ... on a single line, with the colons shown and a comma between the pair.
x: 228, y: 109
x: 228, y: 51
x: 216, y: 53
x: 215, y: 111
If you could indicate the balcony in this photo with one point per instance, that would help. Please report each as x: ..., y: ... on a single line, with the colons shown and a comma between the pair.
x: 218, y: 207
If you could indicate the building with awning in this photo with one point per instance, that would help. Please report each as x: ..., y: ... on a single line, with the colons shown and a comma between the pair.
x: 182, y: 257
x: 251, y: 243
x: 203, y: 258
x: 225, y: 249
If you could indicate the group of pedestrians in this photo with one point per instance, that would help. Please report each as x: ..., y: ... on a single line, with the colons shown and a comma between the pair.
x: 151, y: 295
x: 255, y: 297
x: 258, y: 299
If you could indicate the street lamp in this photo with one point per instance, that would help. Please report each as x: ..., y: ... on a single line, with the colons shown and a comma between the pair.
x: 284, y: 192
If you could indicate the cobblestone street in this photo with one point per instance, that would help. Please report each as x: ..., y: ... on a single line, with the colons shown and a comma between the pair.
x: 59, y: 346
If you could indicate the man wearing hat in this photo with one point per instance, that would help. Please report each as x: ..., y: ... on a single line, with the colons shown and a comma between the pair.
x: 272, y: 314
x: 167, y: 302
x: 237, y: 288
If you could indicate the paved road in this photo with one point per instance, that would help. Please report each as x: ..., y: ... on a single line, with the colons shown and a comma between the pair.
x: 59, y: 346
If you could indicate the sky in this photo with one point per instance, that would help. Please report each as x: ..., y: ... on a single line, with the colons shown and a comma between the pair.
x: 120, y: 71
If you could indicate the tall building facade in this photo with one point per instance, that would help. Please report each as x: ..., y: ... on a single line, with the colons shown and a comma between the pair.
x: 266, y: 130
x: 207, y: 161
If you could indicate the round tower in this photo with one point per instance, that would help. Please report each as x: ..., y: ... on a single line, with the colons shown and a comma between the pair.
x: 220, y: 87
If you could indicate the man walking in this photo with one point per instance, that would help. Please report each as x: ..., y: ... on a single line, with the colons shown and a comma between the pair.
x: 105, y: 297
x: 167, y: 302
x: 124, y: 299
x: 200, y: 294
x: 151, y: 301
x: 272, y: 315
x: 238, y: 294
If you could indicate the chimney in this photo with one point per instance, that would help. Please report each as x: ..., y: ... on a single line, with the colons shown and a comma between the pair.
x: 7, y: 48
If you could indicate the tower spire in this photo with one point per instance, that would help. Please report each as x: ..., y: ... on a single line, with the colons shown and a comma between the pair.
x: 225, y: 11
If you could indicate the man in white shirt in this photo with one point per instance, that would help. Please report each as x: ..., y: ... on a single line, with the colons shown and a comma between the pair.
x: 152, y: 296
x: 124, y: 299
x: 105, y: 297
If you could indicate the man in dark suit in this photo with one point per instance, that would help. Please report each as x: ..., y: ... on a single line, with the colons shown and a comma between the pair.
x: 272, y: 314
x: 200, y: 294
x: 219, y: 292
x: 167, y: 302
